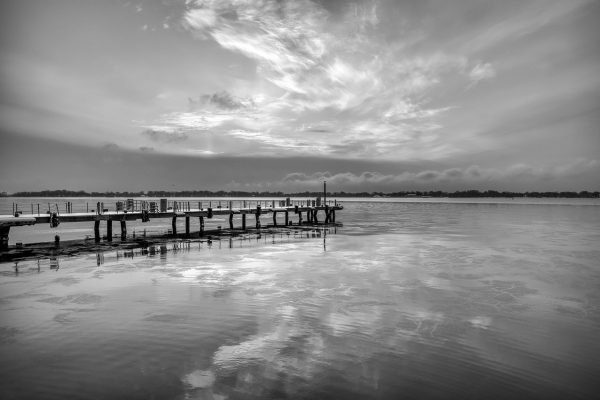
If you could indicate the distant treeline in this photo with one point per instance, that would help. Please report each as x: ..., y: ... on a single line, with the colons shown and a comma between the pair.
x: 235, y: 193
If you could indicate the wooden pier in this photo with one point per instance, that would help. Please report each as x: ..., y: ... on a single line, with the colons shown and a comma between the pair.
x: 147, y: 210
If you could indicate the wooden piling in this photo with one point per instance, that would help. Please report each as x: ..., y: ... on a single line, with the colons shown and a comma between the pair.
x: 274, y: 216
x: 244, y: 222
x: 109, y: 230
x: 187, y: 225
x: 201, y: 226
x: 123, y: 229
x: 174, y: 225
x: 230, y: 218
x: 287, y: 218
x: 97, y: 230
x: 4, y: 231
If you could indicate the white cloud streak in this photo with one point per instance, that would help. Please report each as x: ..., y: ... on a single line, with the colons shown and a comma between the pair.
x: 364, y: 101
x: 332, y: 86
x: 482, y: 72
x: 533, y: 16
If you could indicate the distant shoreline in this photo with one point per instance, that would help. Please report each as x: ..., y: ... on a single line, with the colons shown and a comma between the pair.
x: 233, y: 193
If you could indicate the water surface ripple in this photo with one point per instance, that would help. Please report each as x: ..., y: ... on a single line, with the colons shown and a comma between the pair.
x: 413, y: 300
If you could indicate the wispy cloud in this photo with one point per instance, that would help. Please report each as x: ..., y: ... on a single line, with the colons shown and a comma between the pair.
x: 339, y: 91
x: 531, y: 17
x: 361, y: 85
x: 481, y: 72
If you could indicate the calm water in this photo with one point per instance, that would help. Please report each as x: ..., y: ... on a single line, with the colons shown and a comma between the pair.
x: 406, y: 300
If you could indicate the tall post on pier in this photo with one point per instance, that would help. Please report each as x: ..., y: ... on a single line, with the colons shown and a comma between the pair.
x: 187, y: 225
x: 123, y: 229
x: 324, y: 192
x: 274, y: 217
x: 244, y: 221
x: 287, y: 218
x: 174, y: 225
x: 201, y: 226
x: 230, y: 218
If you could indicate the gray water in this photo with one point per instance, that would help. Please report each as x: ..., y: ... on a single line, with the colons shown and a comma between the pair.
x: 406, y: 300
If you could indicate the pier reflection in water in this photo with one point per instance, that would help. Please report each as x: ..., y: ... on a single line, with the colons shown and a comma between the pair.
x: 242, y: 241
x: 187, y: 245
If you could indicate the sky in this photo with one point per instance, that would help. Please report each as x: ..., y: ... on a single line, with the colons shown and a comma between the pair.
x: 374, y: 95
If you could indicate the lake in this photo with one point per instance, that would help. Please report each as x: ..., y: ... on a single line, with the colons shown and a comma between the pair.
x: 419, y: 298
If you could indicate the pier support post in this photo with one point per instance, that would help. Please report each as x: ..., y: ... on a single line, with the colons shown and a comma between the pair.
x: 257, y: 217
x: 327, y: 216
x: 201, y: 226
x: 287, y: 218
x: 187, y: 225
x: 97, y: 230
x: 123, y: 229
x: 174, y: 225
x: 274, y: 216
x: 230, y: 218
x: 244, y: 222
x: 4, y: 230
x: 299, y: 217
x: 109, y: 230
x: 314, y: 216
x: 333, y: 216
